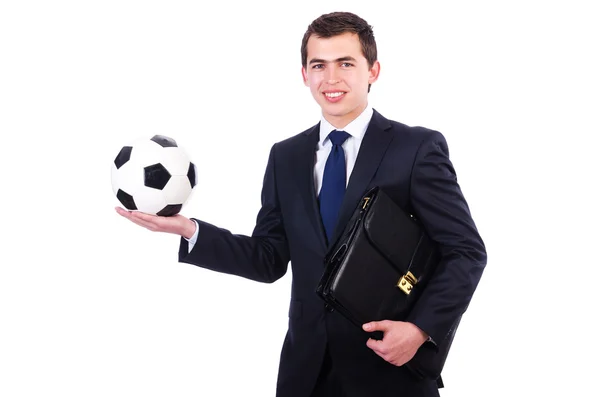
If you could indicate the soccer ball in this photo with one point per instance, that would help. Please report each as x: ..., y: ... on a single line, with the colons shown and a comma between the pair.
x: 153, y: 176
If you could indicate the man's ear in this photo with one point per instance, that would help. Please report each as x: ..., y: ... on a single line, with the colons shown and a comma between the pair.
x: 304, y: 76
x: 374, y: 72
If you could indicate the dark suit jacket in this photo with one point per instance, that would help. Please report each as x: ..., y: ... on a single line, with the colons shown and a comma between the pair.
x: 412, y: 164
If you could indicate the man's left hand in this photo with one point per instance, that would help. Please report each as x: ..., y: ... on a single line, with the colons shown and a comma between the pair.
x: 400, y: 342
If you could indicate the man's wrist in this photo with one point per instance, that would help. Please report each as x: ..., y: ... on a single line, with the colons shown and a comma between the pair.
x: 189, y: 229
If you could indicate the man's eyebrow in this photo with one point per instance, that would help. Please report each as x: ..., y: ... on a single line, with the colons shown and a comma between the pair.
x: 342, y: 59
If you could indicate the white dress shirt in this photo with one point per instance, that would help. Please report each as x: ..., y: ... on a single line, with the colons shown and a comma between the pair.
x: 356, y: 128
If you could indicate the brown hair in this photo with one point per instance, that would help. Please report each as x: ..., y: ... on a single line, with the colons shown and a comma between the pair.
x: 336, y: 23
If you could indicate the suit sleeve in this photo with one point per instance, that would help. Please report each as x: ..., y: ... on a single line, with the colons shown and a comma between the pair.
x: 438, y: 202
x: 262, y: 257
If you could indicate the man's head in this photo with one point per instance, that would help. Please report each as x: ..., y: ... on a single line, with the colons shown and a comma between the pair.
x: 337, y: 23
x: 339, y: 64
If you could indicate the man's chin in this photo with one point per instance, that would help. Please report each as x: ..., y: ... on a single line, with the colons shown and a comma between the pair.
x: 334, y: 109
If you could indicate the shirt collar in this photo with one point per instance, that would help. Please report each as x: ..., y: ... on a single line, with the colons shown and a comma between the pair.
x: 356, y: 128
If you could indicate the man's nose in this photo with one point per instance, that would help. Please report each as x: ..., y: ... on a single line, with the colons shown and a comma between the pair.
x: 333, y: 75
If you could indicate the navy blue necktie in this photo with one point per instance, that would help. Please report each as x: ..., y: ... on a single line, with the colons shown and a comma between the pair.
x: 334, y: 182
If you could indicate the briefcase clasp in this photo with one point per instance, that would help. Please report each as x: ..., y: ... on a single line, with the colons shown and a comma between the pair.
x: 407, y: 283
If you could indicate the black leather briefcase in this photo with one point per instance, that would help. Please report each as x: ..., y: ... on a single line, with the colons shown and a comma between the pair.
x: 377, y: 270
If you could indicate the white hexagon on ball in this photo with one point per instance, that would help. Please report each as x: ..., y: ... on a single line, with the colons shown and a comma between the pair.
x: 154, y: 176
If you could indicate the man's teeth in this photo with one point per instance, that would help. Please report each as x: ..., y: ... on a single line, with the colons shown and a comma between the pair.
x: 333, y: 94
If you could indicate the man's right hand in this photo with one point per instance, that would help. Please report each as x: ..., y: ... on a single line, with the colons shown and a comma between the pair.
x: 176, y: 224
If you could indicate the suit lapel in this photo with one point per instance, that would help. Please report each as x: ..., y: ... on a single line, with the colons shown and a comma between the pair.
x: 306, y: 167
x: 373, y: 147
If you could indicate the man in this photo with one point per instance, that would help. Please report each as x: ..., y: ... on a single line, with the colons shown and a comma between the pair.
x: 302, y: 212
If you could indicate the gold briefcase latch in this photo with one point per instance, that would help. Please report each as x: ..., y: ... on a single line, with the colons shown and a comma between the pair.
x: 407, y: 283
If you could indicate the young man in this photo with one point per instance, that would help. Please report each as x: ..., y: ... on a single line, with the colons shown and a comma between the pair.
x: 312, y: 183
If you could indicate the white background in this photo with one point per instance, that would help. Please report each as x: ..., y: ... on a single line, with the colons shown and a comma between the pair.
x: 92, y: 305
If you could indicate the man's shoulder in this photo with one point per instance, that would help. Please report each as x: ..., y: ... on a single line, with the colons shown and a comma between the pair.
x: 411, y: 132
x: 294, y: 140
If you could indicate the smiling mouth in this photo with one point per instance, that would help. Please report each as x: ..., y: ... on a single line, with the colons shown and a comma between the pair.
x: 333, y: 97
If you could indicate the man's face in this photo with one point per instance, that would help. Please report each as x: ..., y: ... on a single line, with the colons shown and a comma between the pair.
x: 338, y: 75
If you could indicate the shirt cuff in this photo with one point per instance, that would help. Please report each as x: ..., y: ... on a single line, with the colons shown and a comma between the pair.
x: 192, y: 240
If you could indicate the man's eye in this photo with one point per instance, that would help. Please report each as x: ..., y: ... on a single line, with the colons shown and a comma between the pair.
x: 347, y: 64
x: 318, y: 66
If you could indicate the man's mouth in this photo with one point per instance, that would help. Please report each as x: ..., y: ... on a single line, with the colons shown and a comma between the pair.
x: 334, y: 96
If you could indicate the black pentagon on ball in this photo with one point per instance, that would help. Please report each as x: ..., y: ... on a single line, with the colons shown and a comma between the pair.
x: 156, y: 176
x: 123, y: 156
x: 126, y: 200
x: 164, y: 141
x: 170, y: 210
x: 192, y: 175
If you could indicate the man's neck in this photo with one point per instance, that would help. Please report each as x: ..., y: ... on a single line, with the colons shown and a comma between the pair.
x: 342, y: 121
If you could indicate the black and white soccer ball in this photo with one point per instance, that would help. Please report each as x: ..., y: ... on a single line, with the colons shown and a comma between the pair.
x: 153, y: 176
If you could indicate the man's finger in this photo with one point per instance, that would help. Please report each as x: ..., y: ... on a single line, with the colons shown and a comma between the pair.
x: 122, y: 212
x: 376, y: 326
x: 144, y: 217
x: 376, y: 345
x: 139, y: 218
